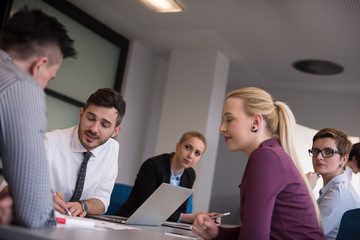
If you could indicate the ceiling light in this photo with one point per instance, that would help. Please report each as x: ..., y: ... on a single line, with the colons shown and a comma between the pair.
x: 319, y: 67
x: 163, y: 6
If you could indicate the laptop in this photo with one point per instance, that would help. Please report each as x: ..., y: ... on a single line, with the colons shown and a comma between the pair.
x: 161, y: 204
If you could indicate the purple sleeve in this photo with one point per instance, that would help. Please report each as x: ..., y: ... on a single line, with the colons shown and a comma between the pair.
x: 228, y: 233
x: 263, y: 180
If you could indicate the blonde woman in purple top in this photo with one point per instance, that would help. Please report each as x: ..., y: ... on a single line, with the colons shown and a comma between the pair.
x: 276, y: 202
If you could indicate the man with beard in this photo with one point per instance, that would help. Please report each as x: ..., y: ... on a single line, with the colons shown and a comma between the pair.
x: 83, y: 159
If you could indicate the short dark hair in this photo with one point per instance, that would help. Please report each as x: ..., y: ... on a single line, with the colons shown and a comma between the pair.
x: 107, y: 97
x: 29, y: 31
x: 355, y: 151
x: 343, y: 144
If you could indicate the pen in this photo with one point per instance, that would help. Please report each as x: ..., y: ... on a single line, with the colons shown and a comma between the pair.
x: 221, y: 215
x: 66, y: 210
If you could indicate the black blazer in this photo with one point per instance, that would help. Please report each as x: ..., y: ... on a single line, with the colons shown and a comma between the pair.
x: 152, y: 173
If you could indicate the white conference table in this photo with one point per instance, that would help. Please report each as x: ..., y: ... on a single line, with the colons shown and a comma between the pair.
x: 72, y: 233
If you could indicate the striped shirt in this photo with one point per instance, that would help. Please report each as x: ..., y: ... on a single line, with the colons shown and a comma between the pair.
x: 22, y: 150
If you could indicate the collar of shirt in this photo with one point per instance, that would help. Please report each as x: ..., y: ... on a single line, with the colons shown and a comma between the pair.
x: 339, y: 178
x: 5, y: 56
x: 175, y: 180
x: 270, y: 142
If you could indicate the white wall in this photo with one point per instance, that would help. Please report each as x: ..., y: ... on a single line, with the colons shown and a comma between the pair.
x: 194, y: 92
x: 320, y: 109
x: 225, y: 196
x: 142, y: 91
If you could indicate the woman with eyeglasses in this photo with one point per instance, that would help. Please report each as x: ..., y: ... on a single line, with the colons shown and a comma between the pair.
x: 330, y: 152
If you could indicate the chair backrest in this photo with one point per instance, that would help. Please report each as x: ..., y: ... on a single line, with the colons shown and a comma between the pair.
x: 119, y: 195
x: 189, y: 204
x: 350, y: 225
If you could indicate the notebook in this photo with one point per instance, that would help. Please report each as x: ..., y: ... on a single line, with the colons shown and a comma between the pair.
x: 161, y: 204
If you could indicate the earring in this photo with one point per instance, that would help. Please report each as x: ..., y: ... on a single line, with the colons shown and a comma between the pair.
x: 253, y: 129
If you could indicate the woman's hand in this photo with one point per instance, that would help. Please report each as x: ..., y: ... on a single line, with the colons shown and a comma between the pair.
x: 312, y: 177
x: 205, y: 227
x: 190, y: 217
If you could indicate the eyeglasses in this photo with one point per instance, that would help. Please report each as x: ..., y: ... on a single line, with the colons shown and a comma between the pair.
x: 326, y: 152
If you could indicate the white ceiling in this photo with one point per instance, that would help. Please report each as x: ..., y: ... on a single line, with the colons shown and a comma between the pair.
x: 261, y: 37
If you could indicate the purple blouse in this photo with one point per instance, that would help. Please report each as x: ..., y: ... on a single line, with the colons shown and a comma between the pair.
x: 274, y: 200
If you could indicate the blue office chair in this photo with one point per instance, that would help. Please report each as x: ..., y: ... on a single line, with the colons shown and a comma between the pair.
x: 189, y: 204
x: 350, y: 225
x: 119, y: 195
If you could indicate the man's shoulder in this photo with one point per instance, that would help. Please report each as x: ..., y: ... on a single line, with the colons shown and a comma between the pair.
x: 109, y: 150
x: 111, y: 144
x: 59, y: 134
x: 113, y: 141
x: 20, y: 84
x: 11, y: 74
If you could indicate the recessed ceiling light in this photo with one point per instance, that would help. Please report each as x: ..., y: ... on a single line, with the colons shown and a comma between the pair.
x: 320, y: 67
x: 163, y: 6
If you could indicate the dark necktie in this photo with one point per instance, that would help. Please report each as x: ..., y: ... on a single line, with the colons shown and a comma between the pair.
x: 81, y: 179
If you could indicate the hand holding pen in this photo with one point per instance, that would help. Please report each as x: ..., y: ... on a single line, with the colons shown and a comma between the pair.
x: 205, y: 227
x: 217, y: 217
x: 59, y: 204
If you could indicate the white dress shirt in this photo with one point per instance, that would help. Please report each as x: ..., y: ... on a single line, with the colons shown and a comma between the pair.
x: 335, y: 199
x: 349, y: 173
x: 65, y: 155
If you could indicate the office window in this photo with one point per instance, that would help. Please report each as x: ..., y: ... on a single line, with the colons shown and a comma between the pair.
x: 100, y: 62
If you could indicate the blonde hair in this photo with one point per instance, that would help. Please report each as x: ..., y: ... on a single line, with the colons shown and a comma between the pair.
x: 280, y: 123
x: 190, y: 134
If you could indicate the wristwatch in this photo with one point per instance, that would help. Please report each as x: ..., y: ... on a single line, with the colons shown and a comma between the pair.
x: 84, y: 206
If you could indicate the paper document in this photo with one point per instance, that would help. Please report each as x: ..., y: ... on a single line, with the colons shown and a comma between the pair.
x: 69, y: 221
